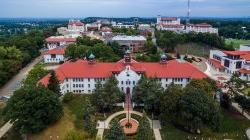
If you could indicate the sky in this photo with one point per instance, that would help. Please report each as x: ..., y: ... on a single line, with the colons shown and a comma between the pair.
x: 122, y: 8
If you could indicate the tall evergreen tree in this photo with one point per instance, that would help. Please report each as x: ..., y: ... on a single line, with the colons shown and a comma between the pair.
x: 53, y: 84
x: 115, y: 132
x: 144, y: 130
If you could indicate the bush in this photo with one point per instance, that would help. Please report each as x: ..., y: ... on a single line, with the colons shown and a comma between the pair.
x: 68, y: 97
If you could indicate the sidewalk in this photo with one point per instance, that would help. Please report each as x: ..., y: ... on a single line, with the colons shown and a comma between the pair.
x: 4, y: 129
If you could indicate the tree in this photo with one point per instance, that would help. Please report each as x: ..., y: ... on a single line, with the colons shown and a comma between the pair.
x: 115, y: 132
x: 202, y: 84
x: 148, y: 93
x: 53, y: 84
x: 225, y: 101
x: 243, y: 102
x: 31, y: 109
x: 235, y: 84
x: 170, y: 102
x: 88, y: 123
x: 106, y: 96
x: 144, y: 130
x: 37, y: 73
x: 197, y: 108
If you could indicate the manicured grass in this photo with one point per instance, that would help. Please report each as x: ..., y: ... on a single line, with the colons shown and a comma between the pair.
x: 233, y: 127
x: 246, y: 91
x: 193, y: 49
x: 237, y: 42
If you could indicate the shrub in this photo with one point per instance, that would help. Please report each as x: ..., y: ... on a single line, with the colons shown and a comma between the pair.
x: 68, y: 97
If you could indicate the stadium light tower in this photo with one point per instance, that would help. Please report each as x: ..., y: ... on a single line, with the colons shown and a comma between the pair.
x: 188, y: 13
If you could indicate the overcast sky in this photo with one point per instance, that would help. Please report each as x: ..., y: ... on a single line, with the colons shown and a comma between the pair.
x: 123, y: 8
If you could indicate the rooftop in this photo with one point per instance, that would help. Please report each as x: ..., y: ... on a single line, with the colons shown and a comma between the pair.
x: 124, y: 37
x: 82, y: 69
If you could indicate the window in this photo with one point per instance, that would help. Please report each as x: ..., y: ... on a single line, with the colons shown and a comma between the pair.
x: 133, y: 82
x: 122, y: 88
x: 77, y: 85
x: 89, y: 85
x: 166, y: 85
x: 122, y: 82
x: 73, y: 85
x: 67, y: 79
x: 166, y: 79
x: 67, y: 85
x: 89, y: 79
x: 82, y: 85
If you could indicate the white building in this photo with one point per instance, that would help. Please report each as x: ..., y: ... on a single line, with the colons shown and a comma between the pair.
x: 201, y: 28
x: 82, y: 76
x: 244, y: 47
x: 93, y: 27
x: 106, y: 31
x: 132, y: 43
x: 231, y: 62
x: 170, y: 24
x: 54, y: 55
x: 57, y: 41
x: 76, y: 26
x: 120, y: 25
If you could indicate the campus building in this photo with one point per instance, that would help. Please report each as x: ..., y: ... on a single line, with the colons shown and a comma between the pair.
x: 231, y: 62
x: 201, y: 28
x: 132, y: 43
x: 82, y: 76
x: 54, y: 56
x: 170, y: 24
x: 174, y: 24
x: 58, y: 41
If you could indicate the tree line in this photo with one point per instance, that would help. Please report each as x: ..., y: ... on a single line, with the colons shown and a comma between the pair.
x: 191, y: 107
x: 85, y: 46
x: 17, y: 51
x: 168, y: 40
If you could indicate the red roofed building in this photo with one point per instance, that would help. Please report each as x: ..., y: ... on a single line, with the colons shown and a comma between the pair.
x: 76, y: 26
x: 57, y: 41
x: 169, y: 23
x: 231, y: 62
x: 81, y: 76
x: 201, y: 28
x: 54, y: 56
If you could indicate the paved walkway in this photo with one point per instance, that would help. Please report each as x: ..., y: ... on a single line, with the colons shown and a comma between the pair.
x: 4, y: 129
x: 101, y: 125
x: 16, y: 81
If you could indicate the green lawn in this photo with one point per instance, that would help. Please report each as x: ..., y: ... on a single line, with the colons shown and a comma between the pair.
x: 233, y: 127
x: 237, y: 42
x: 193, y: 49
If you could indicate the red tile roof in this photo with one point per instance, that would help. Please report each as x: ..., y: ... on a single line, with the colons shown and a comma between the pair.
x: 60, y: 39
x: 168, y: 18
x: 173, y: 26
x: 216, y: 63
x: 203, y: 25
x: 244, y: 71
x: 56, y: 51
x: 76, y: 23
x: 82, y: 69
x: 106, y: 29
x: 246, y: 57
x: 236, y: 52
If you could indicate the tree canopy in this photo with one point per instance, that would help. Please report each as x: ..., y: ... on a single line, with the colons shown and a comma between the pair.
x: 54, y: 84
x: 107, y: 95
x: 115, y: 132
x: 32, y: 109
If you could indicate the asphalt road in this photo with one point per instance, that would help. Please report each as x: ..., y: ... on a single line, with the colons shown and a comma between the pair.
x: 15, y: 82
